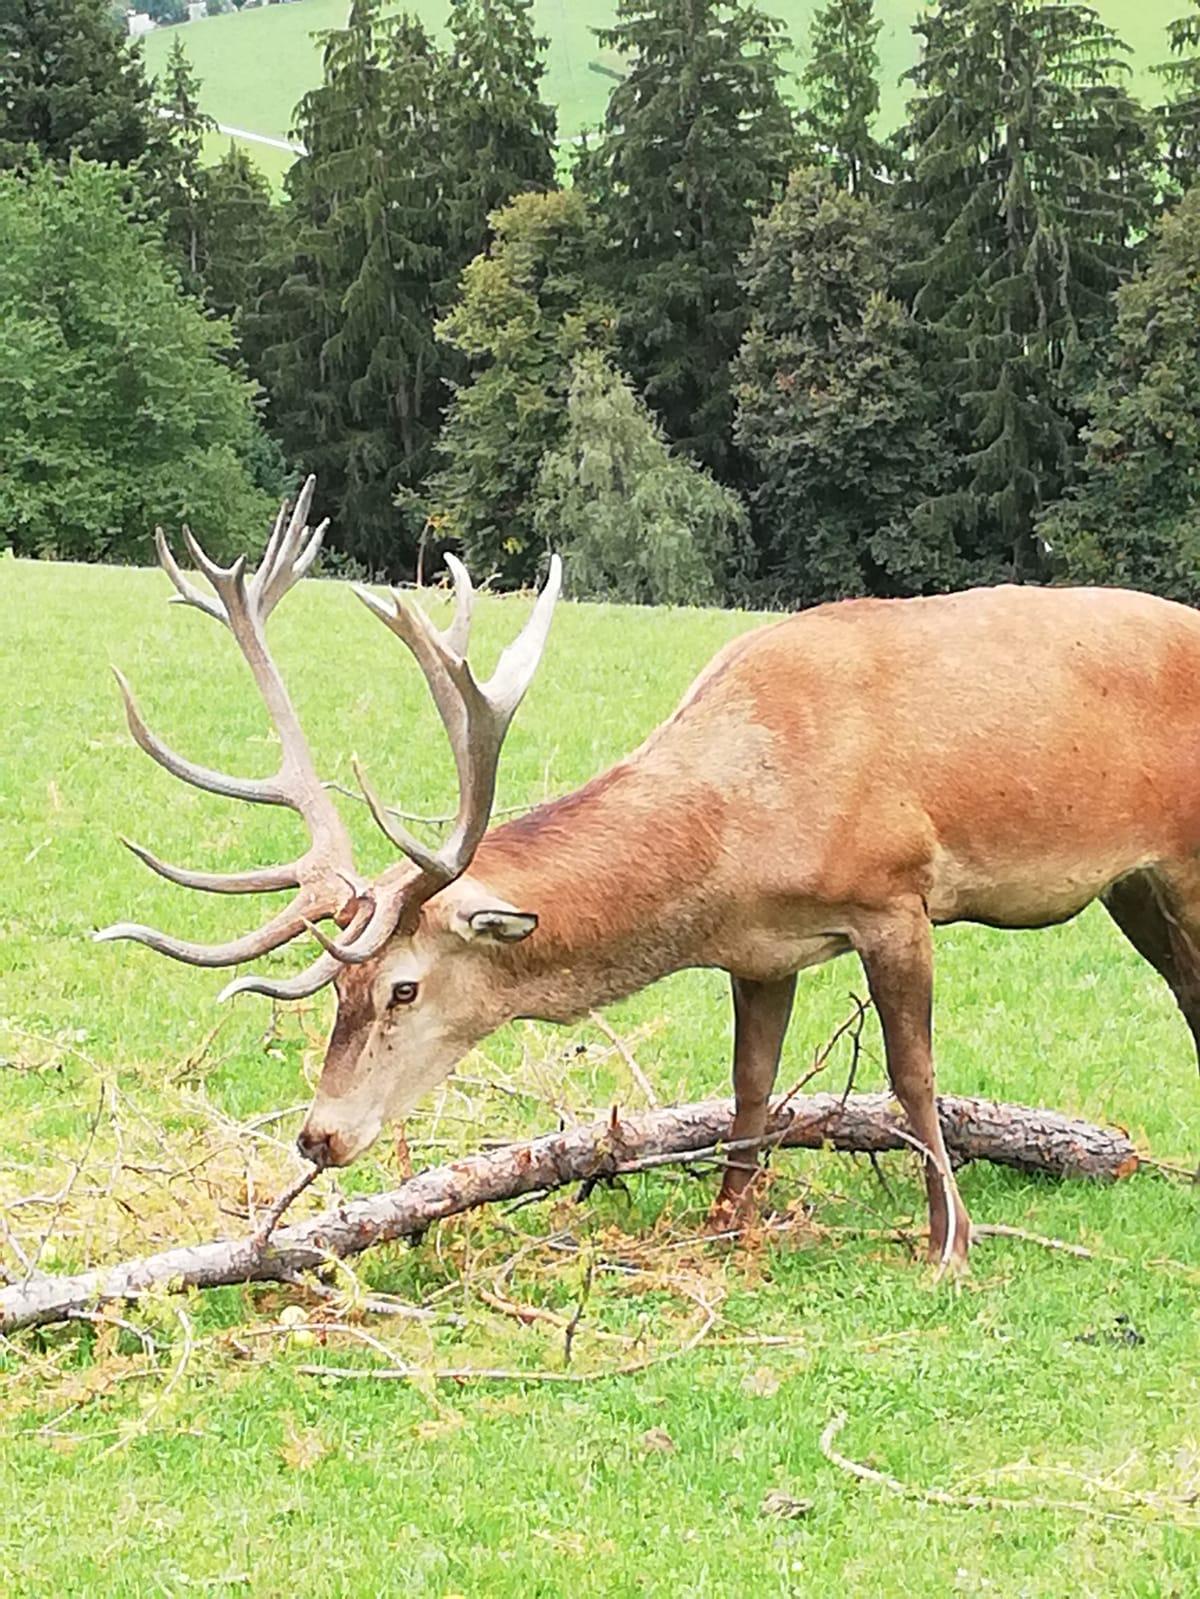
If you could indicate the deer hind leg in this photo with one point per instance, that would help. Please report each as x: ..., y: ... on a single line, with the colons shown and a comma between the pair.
x: 897, y: 955
x: 761, y: 1013
x: 1159, y: 913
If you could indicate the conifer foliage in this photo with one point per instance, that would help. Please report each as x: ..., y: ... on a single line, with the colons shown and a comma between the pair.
x: 1029, y: 174
x: 1181, y: 114
x: 500, y: 131
x: 71, y: 85
x: 831, y: 406
x: 1135, y: 516
x: 840, y: 84
x: 697, y: 141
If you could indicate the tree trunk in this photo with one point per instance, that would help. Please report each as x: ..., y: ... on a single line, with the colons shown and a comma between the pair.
x: 974, y: 1129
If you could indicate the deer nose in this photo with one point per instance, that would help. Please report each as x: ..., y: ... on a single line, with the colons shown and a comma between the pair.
x: 317, y: 1147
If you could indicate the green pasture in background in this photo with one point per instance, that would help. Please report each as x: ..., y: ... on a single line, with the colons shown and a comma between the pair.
x: 255, y: 65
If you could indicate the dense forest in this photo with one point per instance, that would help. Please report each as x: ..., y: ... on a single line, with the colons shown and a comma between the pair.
x: 728, y: 348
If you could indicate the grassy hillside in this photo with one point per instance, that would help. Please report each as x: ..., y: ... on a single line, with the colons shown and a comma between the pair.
x: 256, y: 64
x: 187, y: 1450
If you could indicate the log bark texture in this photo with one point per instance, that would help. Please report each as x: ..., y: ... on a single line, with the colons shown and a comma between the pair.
x: 974, y: 1129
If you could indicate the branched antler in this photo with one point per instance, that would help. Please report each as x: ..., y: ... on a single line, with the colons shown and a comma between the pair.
x: 476, y: 716
x: 476, y: 719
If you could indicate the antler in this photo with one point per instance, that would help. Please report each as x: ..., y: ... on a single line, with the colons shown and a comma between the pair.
x: 476, y: 718
x: 324, y: 874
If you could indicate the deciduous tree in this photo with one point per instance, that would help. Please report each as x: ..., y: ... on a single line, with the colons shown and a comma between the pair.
x: 526, y: 308
x: 634, y: 520
x: 118, y: 405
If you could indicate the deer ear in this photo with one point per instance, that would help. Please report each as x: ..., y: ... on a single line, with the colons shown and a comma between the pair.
x: 498, y: 925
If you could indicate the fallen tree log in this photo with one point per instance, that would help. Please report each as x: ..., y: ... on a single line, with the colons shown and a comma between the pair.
x: 975, y: 1129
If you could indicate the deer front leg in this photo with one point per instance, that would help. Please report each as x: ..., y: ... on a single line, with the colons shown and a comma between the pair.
x: 761, y: 1012
x: 897, y: 956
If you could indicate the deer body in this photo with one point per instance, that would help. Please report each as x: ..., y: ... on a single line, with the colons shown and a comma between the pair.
x: 840, y: 781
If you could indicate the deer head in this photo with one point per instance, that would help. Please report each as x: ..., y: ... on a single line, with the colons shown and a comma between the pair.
x: 414, y: 954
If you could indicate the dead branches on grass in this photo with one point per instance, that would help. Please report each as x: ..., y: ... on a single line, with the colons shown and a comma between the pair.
x: 1031, y: 1140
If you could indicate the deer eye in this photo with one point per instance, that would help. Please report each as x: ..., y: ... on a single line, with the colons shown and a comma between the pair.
x: 402, y: 994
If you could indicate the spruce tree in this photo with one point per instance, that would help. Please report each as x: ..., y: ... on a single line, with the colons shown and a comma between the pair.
x: 697, y: 141
x: 832, y: 409
x: 499, y: 131
x: 239, y: 224
x: 1029, y: 175
x: 840, y: 83
x: 1181, y: 114
x: 179, y: 178
x: 346, y: 333
x: 71, y: 84
x: 526, y: 308
x: 1134, y: 517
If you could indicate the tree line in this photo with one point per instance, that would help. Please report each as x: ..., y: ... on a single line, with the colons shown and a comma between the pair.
x: 723, y: 349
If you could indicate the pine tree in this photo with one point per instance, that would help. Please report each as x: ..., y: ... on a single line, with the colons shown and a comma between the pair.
x: 634, y: 520
x: 1029, y: 173
x: 697, y: 141
x: 832, y: 409
x: 1181, y: 114
x: 526, y: 308
x: 72, y: 84
x: 346, y: 334
x: 499, y: 131
x: 239, y: 226
x: 1134, y: 517
x: 179, y: 177
x: 841, y: 86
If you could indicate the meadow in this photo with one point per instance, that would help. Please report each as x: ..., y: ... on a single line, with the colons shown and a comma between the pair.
x: 256, y: 65
x: 191, y: 1446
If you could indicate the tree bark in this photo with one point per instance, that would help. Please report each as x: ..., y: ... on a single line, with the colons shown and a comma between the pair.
x: 974, y: 1129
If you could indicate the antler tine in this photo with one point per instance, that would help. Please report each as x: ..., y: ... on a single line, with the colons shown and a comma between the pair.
x: 310, y: 981
x: 285, y: 561
x: 258, y: 790
x: 187, y: 595
x: 365, y: 939
x: 259, y: 880
x: 392, y: 830
x: 458, y: 635
x: 506, y: 687
x: 281, y: 929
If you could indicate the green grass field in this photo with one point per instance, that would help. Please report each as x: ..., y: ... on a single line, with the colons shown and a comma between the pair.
x: 255, y: 65
x: 208, y: 1460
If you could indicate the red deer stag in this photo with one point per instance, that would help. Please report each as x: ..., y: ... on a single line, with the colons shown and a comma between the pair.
x: 844, y: 779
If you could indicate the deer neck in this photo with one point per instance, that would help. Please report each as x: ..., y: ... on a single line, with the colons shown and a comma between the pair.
x: 623, y: 878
